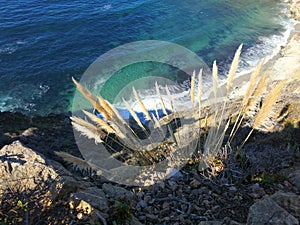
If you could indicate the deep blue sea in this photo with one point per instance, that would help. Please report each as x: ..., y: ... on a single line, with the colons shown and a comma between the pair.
x: 44, y: 43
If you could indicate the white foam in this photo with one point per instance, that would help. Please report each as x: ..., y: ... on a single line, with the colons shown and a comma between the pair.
x: 266, y: 48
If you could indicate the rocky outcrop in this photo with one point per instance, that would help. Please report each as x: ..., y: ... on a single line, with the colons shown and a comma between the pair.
x: 22, y: 169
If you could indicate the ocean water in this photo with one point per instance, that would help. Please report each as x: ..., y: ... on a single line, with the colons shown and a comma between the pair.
x: 44, y: 43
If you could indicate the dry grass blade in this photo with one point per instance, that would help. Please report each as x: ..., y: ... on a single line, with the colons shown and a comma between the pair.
x: 215, y: 78
x: 117, y: 118
x: 84, y: 123
x: 141, y: 104
x: 102, y: 124
x: 200, y: 88
x: 193, y: 88
x: 252, y: 84
x: 266, y: 108
x: 249, y: 95
x: 258, y: 91
x: 80, y: 163
x: 107, y: 107
x: 156, y: 122
x: 88, y: 129
x: 90, y: 98
x: 200, y: 92
x: 88, y: 132
x: 132, y: 112
x: 233, y: 68
x: 161, y: 99
x: 170, y: 98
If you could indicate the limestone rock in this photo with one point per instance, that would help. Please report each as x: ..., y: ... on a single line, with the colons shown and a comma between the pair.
x: 266, y: 211
x: 89, y: 198
x: 117, y: 192
x: 226, y: 221
x: 22, y: 169
x: 288, y: 201
x: 295, y: 177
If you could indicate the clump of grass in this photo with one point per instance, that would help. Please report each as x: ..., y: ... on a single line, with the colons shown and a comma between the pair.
x: 122, y: 212
x: 209, y: 120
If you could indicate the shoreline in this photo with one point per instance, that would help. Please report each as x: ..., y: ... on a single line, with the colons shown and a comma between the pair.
x: 283, y: 65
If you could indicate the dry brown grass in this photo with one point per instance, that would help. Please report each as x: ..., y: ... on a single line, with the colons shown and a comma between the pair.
x: 210, y: 124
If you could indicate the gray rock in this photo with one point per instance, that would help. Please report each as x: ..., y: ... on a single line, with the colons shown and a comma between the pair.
x: 142, y: 203
x: 226, y: 221
x: 210, y: 223
x: 22, y: 169
x: 295, y: 177
x: 288, y: 201
x: 266, y: 211
x: 195, y: 183
x: 95, y: 197
x: 117, y: 192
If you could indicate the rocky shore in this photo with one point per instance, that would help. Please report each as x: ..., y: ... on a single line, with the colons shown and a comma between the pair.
x: 37, y: 187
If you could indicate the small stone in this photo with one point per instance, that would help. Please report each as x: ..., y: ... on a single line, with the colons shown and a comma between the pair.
x: 79, y: 216
x: 117, y: 192
x: 147, y: 198
x: 85, y: 207
x: 142, y: 203
x: 166, y: 205
x: 162, y: 185
x: 195, y: 183
x: 72, y: 205
x: 257, y: 191
x: 173, y: 185
x: 206, y: 203
x: 232, y: 189
x: 151, y: 217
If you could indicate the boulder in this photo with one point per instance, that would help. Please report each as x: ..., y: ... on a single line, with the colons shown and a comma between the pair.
x: 22, y: 169
x: 288, y: 201
x: 267, y: 211
x: 116, y: 192
x: 89, y: 198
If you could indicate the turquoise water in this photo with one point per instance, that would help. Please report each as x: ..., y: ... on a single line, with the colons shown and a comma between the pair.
x: 44, y: 43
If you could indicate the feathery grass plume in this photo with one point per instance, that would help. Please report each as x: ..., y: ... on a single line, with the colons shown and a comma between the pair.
x: 215, y: 79
x: 200, y: 88
x: 193, y: 88
x: 252, y: 84
x: 141, y: 104
x: 90, y: 98
x: 157, y: 123
x: 233, y: 68
x: 268, y: 104
x: 102, y: 124
x: 132, y: 112
x: 107, y: 107
x: 161, y: 99
x: 117, y: 119
x: 170, y: 98
x: 76, y: 162
x: 200, y: 93
x: 87, y: 129
x: 85, y: 123
x: 122, y: 128
x: 247, y: 97
x: 257, y: 92
x: 266, y: 109
x: 156, y: 111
